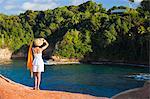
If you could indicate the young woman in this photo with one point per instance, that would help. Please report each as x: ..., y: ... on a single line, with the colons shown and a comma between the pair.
x: 38, y: 63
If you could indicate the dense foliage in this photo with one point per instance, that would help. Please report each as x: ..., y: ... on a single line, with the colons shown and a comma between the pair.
x: 86, y: 31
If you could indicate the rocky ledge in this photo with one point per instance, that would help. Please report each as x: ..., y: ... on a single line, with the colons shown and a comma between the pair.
x: 5, y: 54
x: 137, y: 93
x: 12, y: 90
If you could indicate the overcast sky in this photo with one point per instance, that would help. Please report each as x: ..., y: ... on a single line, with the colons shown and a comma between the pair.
x: 12, y: 7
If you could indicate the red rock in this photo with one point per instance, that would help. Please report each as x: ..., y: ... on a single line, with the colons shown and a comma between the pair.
x: 136, y: 93
x: 11, y: 90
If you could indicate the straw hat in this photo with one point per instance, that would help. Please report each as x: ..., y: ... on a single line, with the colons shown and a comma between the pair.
x: 38, y: 41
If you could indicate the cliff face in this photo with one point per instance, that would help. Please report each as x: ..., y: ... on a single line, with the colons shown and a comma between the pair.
x: 5, y: 54
x: 21, y: 53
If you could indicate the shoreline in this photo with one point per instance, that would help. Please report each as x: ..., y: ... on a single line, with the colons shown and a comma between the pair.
x: 121, y: 63
x: 50, y: 62
x: 136, y: 93
x: 5, y: 61
x: 12, y: 90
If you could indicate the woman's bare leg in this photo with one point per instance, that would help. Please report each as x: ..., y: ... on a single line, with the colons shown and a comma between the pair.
x: 35, y: 80
x: 38, y: 80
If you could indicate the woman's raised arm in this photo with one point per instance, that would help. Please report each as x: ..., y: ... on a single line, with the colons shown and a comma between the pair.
x: 46, y: 44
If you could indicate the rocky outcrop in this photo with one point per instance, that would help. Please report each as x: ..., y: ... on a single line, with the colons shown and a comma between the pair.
x: 137, y: 93
x: 5, y: 54
x: 59, y: 59
x: 12, y: 90
x: 20, y: 53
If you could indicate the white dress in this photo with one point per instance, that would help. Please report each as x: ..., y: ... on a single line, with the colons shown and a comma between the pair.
x: 38, y: 63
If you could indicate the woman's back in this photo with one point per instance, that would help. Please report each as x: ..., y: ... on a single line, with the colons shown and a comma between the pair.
x: 38, y: 61
x: 37, y: 52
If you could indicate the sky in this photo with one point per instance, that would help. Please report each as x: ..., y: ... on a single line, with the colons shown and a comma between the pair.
x: 15, y: 7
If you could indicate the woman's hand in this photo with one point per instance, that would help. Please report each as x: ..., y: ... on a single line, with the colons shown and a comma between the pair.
x: 46, y: 44
x: 43, y: 39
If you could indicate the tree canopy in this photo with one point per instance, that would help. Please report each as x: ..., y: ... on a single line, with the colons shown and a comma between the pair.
x: 84, y: 31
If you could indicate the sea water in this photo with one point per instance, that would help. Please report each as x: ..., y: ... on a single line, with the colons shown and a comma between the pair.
x: 97, y: 80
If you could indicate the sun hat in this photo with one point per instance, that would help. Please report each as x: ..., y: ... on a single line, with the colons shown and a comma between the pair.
x: 38, y: 41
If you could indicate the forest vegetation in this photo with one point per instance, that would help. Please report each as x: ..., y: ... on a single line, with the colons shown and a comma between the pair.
x: 86, y: 31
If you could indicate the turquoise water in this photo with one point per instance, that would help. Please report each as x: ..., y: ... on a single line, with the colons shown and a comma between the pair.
x: 97, y: 80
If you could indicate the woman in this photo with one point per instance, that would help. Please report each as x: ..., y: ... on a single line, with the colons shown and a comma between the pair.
x: 38, y: 63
